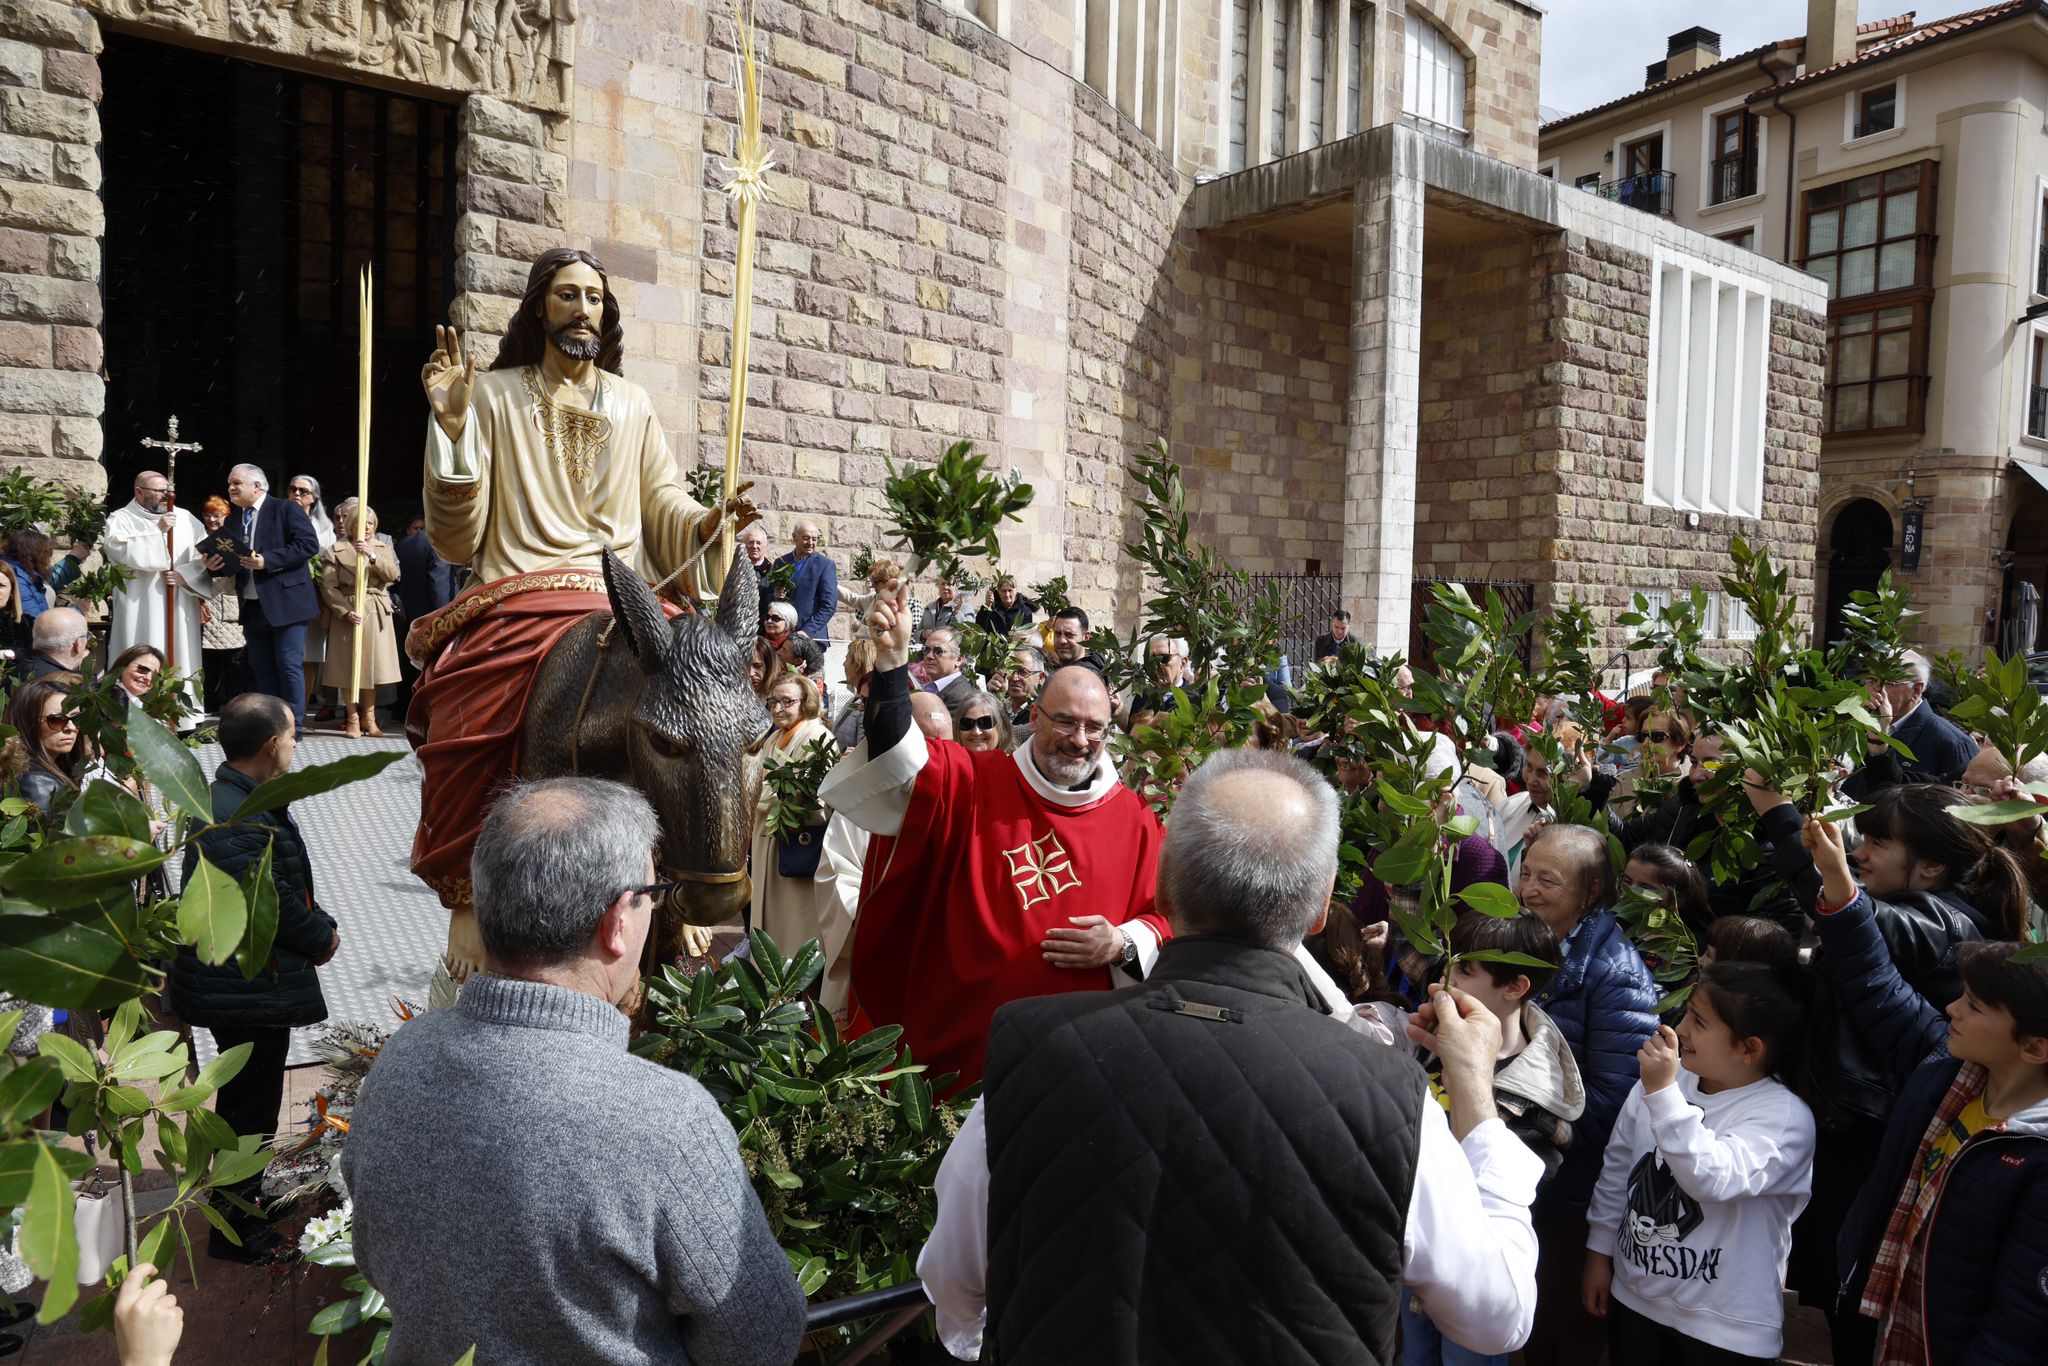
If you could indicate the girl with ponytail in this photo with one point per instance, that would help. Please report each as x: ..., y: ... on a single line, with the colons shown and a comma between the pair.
x: 1935, y: 883
x: 1710, y: 1162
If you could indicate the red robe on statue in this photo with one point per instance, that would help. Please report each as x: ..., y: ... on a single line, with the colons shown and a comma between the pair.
x: 987, y: 857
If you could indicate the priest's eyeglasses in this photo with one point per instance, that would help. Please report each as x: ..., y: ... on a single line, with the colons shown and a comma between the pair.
x: 1074, y: 725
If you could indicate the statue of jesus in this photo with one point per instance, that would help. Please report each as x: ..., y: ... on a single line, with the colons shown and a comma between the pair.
x: 532, y: 470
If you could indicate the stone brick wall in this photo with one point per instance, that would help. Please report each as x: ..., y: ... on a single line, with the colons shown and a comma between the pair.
x: 51, y: 391
x: 1261, y: 371
x: 876, y: 326
x: 1126, y: 199
x: 511, y: 174
x: 1484, y: 495
x: 1968, y: 516
x: 1607, y: 543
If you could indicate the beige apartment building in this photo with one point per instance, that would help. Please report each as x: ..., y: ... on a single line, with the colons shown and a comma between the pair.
x: 1904, y: 164
x: 1304, y: 241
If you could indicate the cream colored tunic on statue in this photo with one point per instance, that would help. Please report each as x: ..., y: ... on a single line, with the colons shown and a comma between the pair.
x: 498, y: 502
x: 790, y: 909
x: 135, y: 614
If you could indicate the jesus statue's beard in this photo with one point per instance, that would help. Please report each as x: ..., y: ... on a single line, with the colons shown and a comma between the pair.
x: 565, y: 340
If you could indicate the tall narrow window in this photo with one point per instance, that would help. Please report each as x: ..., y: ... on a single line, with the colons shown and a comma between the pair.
x: 1315, y: 33
x: 1433, y: 93
x: 1877, y: 111
x: 1877, y: 369
x: 2037, y: 389
x: 1276, y: 79
x: 1735, y: 144
x: 1645, y: 157
x: 1240, y: 82
x: 1354, y: 69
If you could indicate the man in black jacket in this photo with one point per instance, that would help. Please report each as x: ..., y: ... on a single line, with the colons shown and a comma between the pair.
x: 1207, y: 1166
x: 426, y: 584
x: 1940, y: 749
x: 257, y: 742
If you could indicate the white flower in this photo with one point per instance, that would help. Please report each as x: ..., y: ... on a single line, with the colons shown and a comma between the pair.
x: 327, y: 1228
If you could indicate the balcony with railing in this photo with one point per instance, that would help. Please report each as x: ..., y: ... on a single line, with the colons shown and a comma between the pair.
x: 1734, y: 176
x: 1651, y: 191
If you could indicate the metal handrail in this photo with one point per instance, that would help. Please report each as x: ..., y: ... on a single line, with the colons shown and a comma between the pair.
x: 1651, y: 191
x: 866, y: 1305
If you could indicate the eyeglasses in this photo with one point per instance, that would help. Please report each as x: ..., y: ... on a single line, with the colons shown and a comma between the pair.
x: 1658, y: 737
x: 298, y: 492
x: 977, y: 723
x: 1975, y: 790
x: 782, y: 703
x: 57, y: 720
x: 1074, y: 725
x: 656, y: 891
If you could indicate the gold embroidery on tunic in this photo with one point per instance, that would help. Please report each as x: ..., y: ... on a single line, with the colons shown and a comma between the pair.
x: 575, y: 437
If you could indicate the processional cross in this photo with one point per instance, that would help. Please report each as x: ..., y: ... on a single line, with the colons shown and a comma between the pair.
x: 170, y: 446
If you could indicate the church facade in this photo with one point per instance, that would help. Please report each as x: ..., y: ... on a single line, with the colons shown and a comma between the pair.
x: 1303, y: 241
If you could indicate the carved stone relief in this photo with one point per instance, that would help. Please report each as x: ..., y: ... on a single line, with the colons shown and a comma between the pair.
x: 518, y: 50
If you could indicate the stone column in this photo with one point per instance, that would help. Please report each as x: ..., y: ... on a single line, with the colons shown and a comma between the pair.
x: 509, y: 187
x: 51, y: 220
x: 1386, y: 372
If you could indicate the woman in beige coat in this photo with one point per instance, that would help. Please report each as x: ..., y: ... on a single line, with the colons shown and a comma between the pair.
x: 791, y: 909
x: 380, y: 636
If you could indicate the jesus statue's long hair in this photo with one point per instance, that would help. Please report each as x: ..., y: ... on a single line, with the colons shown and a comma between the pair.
x: 526, y: 340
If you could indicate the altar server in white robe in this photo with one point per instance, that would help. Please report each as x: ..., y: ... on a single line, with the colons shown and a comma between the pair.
x: 135, y: 540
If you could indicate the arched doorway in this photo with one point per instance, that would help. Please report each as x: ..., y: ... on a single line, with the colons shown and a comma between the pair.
x: 1859, y: 551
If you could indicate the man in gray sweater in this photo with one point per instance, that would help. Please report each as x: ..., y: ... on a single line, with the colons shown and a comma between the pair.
x: 521, y: 1182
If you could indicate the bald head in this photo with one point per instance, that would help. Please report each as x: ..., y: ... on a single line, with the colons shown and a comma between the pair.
x: 151, y: 489
x: 1990, y: 766
x: 61, y: 634
x: 931, y: 715
x: 1069, y: 725
x: 1252, y: 850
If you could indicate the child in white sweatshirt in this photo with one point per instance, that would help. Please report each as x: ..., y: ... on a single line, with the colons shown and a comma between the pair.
x: 1710, y: 1162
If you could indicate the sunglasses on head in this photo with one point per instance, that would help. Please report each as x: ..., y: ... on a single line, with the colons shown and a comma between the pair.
x: 59, y: 721
x: 977, y: 723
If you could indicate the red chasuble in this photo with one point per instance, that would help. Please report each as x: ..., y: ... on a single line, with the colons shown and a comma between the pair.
x: 952, y: 909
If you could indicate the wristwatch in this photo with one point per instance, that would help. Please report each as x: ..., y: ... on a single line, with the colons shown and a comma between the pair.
x: 1130, y: 953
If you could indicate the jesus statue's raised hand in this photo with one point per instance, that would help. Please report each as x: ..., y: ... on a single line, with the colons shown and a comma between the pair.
x: 449, y: 376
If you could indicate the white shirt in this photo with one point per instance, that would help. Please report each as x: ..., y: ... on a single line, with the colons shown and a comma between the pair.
x: 1468, y: 1254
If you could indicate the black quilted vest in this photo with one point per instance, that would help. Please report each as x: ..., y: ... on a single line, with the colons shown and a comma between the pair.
x: 1205, y: 1168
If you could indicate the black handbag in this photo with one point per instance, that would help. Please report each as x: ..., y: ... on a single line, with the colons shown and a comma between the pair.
x: 797, y: 855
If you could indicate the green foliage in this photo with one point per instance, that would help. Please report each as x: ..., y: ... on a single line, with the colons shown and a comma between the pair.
x: 2001, y: 703
x: 842, y: 1138
x: 944, y: 512
x: 75, y: 935
x: 793, y: 787
x: 83, y: 519
x: 1154, y: 760
x: 1673, y: 635
x: 1569, y: 638
x: 1474, y: 653
x: 1872, y: 643
x: 706, y: 484
x: 1661, y: 935
x: 1051, y: 596
x: 1232, y: 634
x: 781, y: 580
x: 863, y: 561
x: 98, y: 585
x: 985, y: 653
x: 28, y: 502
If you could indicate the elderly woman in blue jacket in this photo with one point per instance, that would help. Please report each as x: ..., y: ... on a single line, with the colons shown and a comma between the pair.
x: 1604, y: 1001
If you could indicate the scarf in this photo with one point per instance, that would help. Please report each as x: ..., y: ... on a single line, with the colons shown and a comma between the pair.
x: 1892, y: 1295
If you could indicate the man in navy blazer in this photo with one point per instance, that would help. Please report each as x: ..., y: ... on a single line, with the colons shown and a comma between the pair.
x: 1941, y: 748
x: 277, y: 592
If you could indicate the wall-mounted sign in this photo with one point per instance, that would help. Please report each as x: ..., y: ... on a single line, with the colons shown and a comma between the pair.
x: 1910, y: 539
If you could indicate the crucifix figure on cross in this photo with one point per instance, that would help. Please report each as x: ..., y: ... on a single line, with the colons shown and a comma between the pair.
x: 167, y: 521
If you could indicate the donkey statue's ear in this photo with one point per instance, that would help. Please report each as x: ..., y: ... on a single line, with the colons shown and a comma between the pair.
x: 636, y: 613
x: 739, y: 603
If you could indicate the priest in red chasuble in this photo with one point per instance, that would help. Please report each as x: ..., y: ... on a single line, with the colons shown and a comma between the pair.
x: 1002, y: 875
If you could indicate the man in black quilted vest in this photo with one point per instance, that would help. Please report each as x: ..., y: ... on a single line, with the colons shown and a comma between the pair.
x: 1207, y: 1167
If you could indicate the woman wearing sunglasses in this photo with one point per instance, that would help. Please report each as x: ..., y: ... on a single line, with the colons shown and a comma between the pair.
x: 47, y: 754
x: 980, y: 722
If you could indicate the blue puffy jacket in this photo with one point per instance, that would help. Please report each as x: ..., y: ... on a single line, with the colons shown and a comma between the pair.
x: 1986, y: 1239
x: 1603, y: 1000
